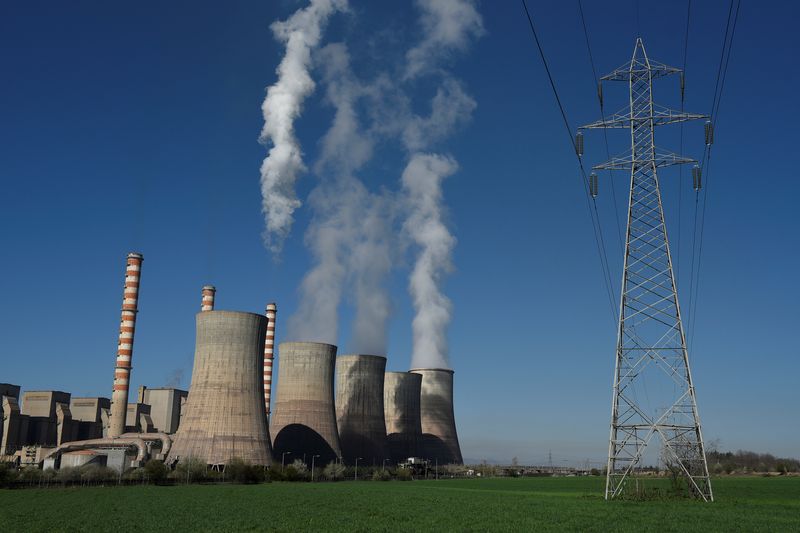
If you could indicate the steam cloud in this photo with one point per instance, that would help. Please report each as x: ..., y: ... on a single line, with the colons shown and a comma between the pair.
x: 351, y: 235
x: 283, y: 104
x: 422, y: 181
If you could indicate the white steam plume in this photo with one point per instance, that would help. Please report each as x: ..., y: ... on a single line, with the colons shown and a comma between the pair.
x: 447, y: 25
x: 422, y: 183
x: 283, y: 104
x: 349, y: 233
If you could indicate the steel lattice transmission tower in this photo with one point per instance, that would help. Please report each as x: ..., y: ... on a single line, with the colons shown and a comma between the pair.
x: 651, y: 344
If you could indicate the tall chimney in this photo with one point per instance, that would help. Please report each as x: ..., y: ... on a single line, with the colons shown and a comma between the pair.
x: 269, y: 345
x: 208, y: 298
x: 127, y: 326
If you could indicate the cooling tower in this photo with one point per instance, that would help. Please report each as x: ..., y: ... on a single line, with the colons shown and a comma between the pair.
x: 224, y: 415
x: 439, y: 437
x: 401, y: 391
x: 127, y: 328
x: 304, y: 419
x: 359, y: 408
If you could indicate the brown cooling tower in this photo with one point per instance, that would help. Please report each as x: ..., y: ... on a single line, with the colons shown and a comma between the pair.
x: 401, y: 391
x: 439, y: 437
x: 224, y: 414
x: 359, y: 408
x: 304, y: 419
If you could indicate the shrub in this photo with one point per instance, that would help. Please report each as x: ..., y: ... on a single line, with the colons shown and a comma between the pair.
x: 594, y: 472
x: 297, y: 471
x: 404, y: 474
x: 380, y: 475
x: 156, y: 471
x: 97, y: 474
x: 8, y: 474
x: 241, y: 471
x: 134, y: 474
x: 69, y: 475
x: 190, y: 469
x: 333, y: 471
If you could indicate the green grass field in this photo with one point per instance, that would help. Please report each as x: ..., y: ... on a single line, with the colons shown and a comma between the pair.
x: 523, y: 504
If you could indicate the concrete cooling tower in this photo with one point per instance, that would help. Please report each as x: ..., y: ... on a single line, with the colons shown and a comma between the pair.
x: 303, y: 421
x: 401, y: 392
x: 224, y: 414
x: 359, y: 408
x: 439, y: 437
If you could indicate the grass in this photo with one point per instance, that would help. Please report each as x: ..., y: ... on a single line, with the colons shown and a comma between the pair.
x: 523, y: 504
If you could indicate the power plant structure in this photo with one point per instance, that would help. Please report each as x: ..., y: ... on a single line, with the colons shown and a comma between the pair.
x: 225, y: 416
x: 439, y: 436
x: 304, y: 419
x: 374, y: 416
x: 127, y: 328
x: 401, y: 395
x: 269, y: 355
x: 359, y: 408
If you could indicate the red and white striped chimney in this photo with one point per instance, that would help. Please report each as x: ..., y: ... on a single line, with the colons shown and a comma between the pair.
x: 269, y: 347
x: 208, y: 298
x: 127, y: 326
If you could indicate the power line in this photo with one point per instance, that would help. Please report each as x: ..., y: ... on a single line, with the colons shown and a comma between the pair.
x: 714, y: 121
x: 597, y: 229
x: 680, y: 167
x: 605, y: 131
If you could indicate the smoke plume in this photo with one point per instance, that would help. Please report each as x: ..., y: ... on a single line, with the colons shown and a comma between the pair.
x: 283, y: 104
x: 422, y: 183
x: 349, y: 232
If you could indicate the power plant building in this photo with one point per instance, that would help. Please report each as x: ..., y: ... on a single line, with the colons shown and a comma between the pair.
x: 165, y: 407
x: 439, y: 436
x: 224, y: 414
x: 359, y: 408
x: 401, y: 394
x: 304, y: 419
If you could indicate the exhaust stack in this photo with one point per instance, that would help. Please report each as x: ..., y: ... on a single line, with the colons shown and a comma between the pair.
x: 208, y: 298
x: 127, y: 327
x: 269, y: 354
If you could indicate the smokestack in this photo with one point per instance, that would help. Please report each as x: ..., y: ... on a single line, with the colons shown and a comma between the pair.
x: 359, y: 407
x: 224, y: 413
x: 304, y: 421
x: 269, y: 344
x: 439, y: 437
x: 208, y: 298
x: 401, y: 392
x: 127, y: 326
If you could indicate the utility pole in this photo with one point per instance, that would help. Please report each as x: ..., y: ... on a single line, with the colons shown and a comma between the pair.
x: 651, y: 357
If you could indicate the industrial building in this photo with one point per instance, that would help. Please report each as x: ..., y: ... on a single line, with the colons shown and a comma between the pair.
x: 359, y: 408
x: 303, y: 422
x: 401, y: 393
x: 367, y: 415
x: 225, y: 416
x: 439, y: 436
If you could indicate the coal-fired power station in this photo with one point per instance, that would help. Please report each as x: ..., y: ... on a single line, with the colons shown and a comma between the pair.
x: 401, y: 393
x: 439, y: 437
x: 345, y: 409
x: 359, y: 408
x: 224, y: 416
x: 303, y: 422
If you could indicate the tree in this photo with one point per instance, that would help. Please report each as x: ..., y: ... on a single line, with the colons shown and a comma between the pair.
x: 156, y: 471
x: 333, y: 471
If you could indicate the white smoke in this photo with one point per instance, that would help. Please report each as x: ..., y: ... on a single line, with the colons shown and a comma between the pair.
x: 283, y: 104
x: 422, y: 183
x: 349, y: 235
x: 448, y: 26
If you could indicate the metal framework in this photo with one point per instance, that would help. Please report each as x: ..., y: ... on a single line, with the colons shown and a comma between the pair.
x: 651, y: 344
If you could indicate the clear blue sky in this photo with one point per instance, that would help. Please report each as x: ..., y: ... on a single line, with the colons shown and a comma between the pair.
x: 134, y: 127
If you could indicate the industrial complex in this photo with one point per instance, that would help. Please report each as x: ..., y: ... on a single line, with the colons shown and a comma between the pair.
x: 333, y: 409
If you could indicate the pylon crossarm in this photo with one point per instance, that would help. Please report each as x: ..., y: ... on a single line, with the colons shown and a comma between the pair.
x: 636, y: 69
x: 661, y: 116
x: 660, y: 158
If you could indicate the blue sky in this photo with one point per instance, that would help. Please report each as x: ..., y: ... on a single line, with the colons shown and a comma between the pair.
x: 135, y: 127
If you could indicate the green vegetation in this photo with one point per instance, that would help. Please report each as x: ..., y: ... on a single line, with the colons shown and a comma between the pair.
x: 518, y: 504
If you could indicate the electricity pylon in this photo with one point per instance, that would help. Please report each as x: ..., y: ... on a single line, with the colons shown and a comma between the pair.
x: 651, y: 344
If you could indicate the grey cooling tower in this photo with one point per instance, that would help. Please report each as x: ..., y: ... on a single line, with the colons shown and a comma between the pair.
x: 303, y: 420
x: 224, y: 415
x: 440, y: 440
x: 401, y: 391
x: 359, y: 408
